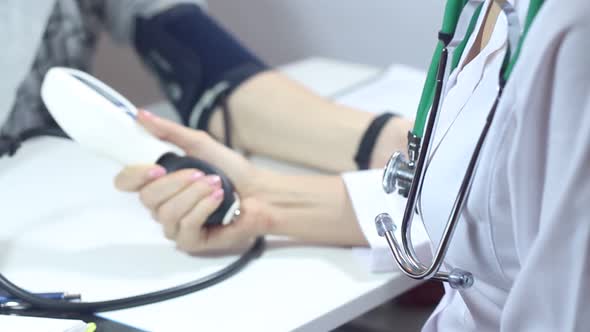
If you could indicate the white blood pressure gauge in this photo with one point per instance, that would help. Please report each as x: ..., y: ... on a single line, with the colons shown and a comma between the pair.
x: 103, y: 121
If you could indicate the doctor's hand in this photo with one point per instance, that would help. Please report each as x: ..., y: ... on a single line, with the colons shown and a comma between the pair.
x: 182, y: 201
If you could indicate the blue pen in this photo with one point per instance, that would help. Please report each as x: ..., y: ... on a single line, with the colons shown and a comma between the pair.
x: 49, y: 296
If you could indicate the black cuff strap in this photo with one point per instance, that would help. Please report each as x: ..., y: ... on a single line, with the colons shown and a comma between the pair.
x: 363, y: 155
x: 233, y: 79
x: 227, y: 122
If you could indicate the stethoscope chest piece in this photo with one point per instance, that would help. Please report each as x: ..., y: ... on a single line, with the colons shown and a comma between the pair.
x: 398, y: 175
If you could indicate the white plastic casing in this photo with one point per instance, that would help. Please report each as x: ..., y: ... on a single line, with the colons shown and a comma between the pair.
x: 103, y: 122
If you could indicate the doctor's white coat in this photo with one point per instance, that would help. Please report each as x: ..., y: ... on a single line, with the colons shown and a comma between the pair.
x: 525, y: 231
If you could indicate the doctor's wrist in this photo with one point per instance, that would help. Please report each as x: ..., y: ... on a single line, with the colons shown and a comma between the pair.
x: 310, y: 208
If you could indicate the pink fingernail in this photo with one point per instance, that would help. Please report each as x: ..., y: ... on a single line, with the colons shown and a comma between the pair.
x: 148, y: 114
x: 214, y: 180
x: 156, y: 173
x: 217, y: 195
x: 197, y: 175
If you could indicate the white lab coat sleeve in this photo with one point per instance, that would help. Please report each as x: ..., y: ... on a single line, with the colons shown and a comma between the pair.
x: 368, y: 200
x: 549, y: 178
x: 119, y: 16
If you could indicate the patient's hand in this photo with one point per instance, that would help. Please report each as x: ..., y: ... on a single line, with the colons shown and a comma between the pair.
x: 182, y: 201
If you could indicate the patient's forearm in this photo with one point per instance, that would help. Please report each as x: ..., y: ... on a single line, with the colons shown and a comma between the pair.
x: 311, y: 208
x: 275, y: 116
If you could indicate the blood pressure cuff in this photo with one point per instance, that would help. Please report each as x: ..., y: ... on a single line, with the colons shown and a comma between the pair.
x: 196, y: 60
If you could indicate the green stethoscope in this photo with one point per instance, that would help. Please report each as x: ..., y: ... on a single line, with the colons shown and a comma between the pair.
x: 407, y: 175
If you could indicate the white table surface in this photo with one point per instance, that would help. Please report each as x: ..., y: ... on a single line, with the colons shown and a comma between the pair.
x: 64, y: 227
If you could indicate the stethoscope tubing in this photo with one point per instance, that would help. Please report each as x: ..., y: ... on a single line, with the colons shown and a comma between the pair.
x: 404, y: 253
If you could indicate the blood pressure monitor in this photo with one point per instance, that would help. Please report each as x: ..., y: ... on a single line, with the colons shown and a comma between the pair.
x: 103, y: 121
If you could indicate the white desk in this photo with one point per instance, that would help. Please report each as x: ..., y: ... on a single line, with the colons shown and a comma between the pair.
x: 64, y: 227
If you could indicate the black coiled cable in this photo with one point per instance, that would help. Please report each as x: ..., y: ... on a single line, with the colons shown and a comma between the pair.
x: 39, y: 303
x: 9, y: 145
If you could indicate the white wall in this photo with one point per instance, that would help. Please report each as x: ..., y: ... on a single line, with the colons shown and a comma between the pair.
x: 375, y: 32
x: 368, y: 31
